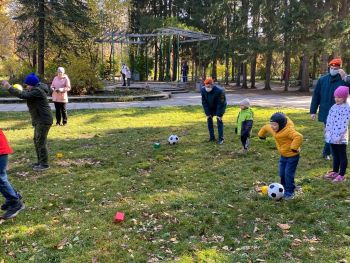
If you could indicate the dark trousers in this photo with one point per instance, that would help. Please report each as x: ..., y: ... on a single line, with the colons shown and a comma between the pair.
x: 184, y: 78
x: 287, y: 168
x: 40, y: 142
x: 128, y: 81
x: 6, y: 188
x: 211, y: 128
x: 245, y: 141
x: 124, y: 78
x: 61, y: 112
x: 340, y: 158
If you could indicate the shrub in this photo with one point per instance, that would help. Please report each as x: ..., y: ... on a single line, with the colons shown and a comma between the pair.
x: 16, y: 70
x: 84, y: 78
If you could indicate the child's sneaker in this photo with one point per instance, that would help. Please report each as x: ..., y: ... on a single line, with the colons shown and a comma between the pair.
x: 330, y: 175
x: 338, y: 179
x: 13, y: 210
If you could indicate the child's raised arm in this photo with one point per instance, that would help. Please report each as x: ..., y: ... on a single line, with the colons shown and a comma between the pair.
x: 264, y: 131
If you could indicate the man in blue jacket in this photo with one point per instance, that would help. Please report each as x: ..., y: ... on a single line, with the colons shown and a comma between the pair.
x: 322, y: 97
x: 214, y: 104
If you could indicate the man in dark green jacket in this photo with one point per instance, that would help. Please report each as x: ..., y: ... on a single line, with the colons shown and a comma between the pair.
x: 322, y: 97
x: 214, y: 104
x: 40, y: 111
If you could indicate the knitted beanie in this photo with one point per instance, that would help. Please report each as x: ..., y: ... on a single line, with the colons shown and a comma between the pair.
x: 208, y: 81
x: 341, y: 92
x: 245, y: 102
x: 32, y: 80
x: 280, y: 118
x: 60, y: 70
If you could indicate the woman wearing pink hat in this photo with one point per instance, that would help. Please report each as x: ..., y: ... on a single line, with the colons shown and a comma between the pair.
x: 336, y: 134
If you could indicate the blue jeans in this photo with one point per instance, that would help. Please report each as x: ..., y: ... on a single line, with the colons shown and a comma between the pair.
x: 211, y: 128
x: 287, y: 168
x: 6, y: 188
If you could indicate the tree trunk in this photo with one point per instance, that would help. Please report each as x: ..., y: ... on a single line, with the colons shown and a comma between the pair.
x: 214, y: 70
x: 161, y: 60
x: 314, y: 66
x: 204, y: 73
x: 233, y: 68
x: 305, y: 74
x: 168, y: 62
x: 244, y: 73
x: 239, y: 70
x: 253, y: 72
x: 41, y: 39
x: 287, y: 72
x: 175, y: 58
x: 34, y: 62
x: 155, y: 60
x: 268, y: 71
x: 324, y: 64
x: 226, y: 68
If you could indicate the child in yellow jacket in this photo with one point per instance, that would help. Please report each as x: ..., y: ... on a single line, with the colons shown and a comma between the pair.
x: 288, y: 142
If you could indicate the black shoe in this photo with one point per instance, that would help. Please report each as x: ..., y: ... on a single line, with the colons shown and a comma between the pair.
x: 211, y: 139
x: 41, y: 167
x: 35, y: 164
x: 7, y: 203
x: 220, y: 141
x: 13, y: 210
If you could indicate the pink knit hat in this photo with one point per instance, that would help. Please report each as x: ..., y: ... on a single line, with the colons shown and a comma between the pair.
x: 341, y: 92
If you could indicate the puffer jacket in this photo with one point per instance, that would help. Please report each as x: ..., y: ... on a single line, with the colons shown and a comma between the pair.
x: 244, y: 122
x: 37, y: 103
x: 214, y: 102
x: 4, y: 145
x: 287, y: 139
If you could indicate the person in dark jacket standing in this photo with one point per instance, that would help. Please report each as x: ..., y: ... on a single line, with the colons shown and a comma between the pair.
x: 184, y: 71
x: 40, y: 111
x: 214, y: 104
x: 322, y: 97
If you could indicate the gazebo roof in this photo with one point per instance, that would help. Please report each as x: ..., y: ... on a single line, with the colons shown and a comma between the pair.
x: 186, y: 36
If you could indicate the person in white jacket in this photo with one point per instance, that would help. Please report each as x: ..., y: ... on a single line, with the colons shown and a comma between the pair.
x: 124, y: 72
x: 337, y: 134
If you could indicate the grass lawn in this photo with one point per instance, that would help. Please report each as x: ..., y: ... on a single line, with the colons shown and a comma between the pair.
x: 192, y: 202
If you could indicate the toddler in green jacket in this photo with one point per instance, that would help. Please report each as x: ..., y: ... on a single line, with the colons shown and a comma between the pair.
x: 244, y: 123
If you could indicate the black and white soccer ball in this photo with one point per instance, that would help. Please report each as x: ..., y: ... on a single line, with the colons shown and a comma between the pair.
x: 173, y: 139
x: 275, y: 191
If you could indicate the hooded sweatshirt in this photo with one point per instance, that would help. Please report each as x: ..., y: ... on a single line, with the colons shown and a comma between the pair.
x: 37, y: 103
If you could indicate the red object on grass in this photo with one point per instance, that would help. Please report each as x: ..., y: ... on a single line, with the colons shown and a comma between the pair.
x: 119, y: 217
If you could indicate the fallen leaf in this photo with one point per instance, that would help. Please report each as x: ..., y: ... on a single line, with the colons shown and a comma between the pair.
x: 296, y: 242
x: 283, y: 226
x: 63, y: 242
x: 94, y: 260
x: 312, y: 249
x: 256, y: 229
